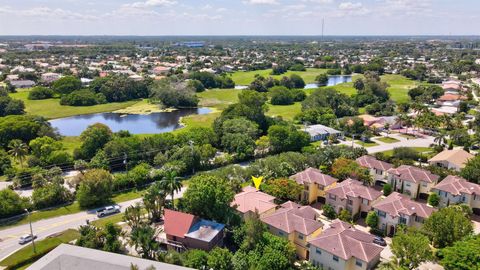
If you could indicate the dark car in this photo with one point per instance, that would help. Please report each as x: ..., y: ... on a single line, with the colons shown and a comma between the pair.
x: 379, y: 241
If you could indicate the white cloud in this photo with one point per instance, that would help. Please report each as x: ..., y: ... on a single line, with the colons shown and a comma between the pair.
x: 151, y: 3
x: 261, y: 2
x: 350, y: 6
x: 46, y: 13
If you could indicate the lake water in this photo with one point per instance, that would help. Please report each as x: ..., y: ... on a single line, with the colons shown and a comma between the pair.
x: 135, y: 123
x: 332, y: 81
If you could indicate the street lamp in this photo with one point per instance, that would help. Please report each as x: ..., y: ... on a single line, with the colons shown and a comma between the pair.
x: 31, y: 231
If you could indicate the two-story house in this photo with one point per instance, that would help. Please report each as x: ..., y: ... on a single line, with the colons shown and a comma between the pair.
x: 342, y: 247
x: 378, y: 169
x: 314, y: 183
x: 411, y: 180
x: 297, y: 223
x: 251, y: 201
x: 398, y: 209
x: 454, y: 159
x: 354, y: 196
x: 456, y: 190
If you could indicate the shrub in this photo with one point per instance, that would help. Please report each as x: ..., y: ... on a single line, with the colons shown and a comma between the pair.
x: 433, y: 199
x: 40, y: 92
x: 329, y: 212
x: 11, y: 203
x: 345, y: 215
x: 387, y: 189
x: 82, y: 97
x: 372, y: 219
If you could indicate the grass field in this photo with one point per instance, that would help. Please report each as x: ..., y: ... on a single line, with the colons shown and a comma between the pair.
x: 26, y: 253
x: 366, y: 144
x: 51, y: 108
x: 70, y: 143
x: 387, y: 139
x: 246, y: 77
x: 423, y: 150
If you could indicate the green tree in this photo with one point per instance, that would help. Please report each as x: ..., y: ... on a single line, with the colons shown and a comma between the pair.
x: 250, y: 233
x: 93, y: 139
x: 143, y: 239
x: 447, y: 226
x: 19, y: 150
x: 95, y: 188
x: 322, y: 79
x: 11, y: 203
x: 463, y: 255
x: 154, y: 200
x: 171, y: 184
x: 344, y: 215
x: 329, y: 211
x: 209, y: 197
x: 111, y: 234
x: 50, y: 194
x: 220, y: 259
x: 283, y: 189
x: 387, y: 189
x: 66, y: 85
x: 40, y: 92
x: 133, y: 216
x: 372, y: 219
x: 410, y: 248
x: 471, y: 171
x: 90, y: 237
x: 5, y: 162
x: 344, y: 168
x: 433, y: 199
x: 195, y: 258
x: 287, y: 138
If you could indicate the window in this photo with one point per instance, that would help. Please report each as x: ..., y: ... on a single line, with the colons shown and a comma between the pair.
x: 335, y: 258
x: 280, y: 233
x: 424, y: 184
x: 318, y: 251
x: 333, y: 197
x: 382, y: 214
x: 300, y: 236
x: 418, y: 219
x: 402, y: 220
x: 407, y: 184
x: 358, y: 263
x: 350, y: 202
x: 464, y: 199
x: 365, y: 201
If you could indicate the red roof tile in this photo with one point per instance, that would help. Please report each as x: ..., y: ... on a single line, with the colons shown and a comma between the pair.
x: 312, y: 175
x: 177, y: 223
x: 414, y: 174
x: 456, y: 185
x: 373, y: 163
x: 250, y: 199
x: 354, y: 188
x: 397, y: 204
x: 293, y: 217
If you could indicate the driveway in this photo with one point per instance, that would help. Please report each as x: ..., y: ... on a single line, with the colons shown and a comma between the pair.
x: 424, y: 141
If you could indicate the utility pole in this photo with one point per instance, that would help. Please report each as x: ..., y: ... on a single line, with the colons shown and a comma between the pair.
x: 193, y: 154
x: 323, y: 27
x: 125, y: 161
x: 31, y: 231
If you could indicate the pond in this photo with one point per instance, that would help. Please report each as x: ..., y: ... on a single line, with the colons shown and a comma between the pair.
x: 332, y: 81
x: 135, y: 123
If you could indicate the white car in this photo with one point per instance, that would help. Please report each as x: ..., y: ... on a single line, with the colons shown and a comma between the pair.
x: 26, y: 238
x: 109, y: 210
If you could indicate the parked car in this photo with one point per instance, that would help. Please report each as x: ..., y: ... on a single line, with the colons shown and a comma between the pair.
x: 379, y: 241
x: 26, y: 238
x: 109, y: 210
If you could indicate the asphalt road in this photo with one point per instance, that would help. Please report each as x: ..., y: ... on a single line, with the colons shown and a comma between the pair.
x: 44, y: 228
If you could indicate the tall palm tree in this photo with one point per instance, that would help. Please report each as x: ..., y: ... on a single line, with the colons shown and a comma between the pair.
x: 171, y: 183
x: 19, y: 150
x: 441, y: 138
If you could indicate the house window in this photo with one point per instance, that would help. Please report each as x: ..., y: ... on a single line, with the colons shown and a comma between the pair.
x: 335, y: 258
x: 300, y: 236
x: 358, y: 263
x: 424, y: 184
x: 318, y: 251
x: 407, y: 184
x: 350, y: 202
x: 382, y: 214
x: 365, y: 201
x: 333, y: 197
x: 280, y: 233
x: 418, y: 219
x: 402, y: 220
x: 464, y: 198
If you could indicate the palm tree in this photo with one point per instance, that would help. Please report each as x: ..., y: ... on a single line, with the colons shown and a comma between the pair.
x: 19, y: 150
x: 171, y: 183
x: 441, y: 138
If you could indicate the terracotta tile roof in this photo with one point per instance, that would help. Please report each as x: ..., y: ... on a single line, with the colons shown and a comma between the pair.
x: 451, y: 97
x: 373, y: 163
x: 312, y: 175
x: 177, y: 223
x: 456, y: 185
x: 397, y: 204
x: 293, y: 217
x: 414, y: 174
x: 344, y: 241
x: 251, y: 199
x: 459, y: 157
x: 354, y: 188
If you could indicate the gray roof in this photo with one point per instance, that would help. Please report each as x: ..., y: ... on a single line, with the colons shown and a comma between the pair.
x: 80, y: 258
x: 205, y: 230
x: 320, y: 130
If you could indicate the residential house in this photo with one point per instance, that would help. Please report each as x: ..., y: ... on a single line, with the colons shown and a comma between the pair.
x: 353, y: 196
x: 452, y: 86
x: 22, y: 83
x: 73, y: 257
x: 378, y: 169
x: 314, y: 183
x: 379, y: 122
x: 451, y: 100
x: 297, y: 223
x: 322, y: 133
x: 251, y: 200
x: 342, y: 247
x: 413, y: 181
x: 399, y: 209
x: 186, y: 231
x: 456, y: 190
x: 455, y: 159
x: 50, y: 77
x: 160, y: 70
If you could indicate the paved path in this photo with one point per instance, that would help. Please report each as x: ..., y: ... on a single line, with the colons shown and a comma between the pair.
x: 43, y: 228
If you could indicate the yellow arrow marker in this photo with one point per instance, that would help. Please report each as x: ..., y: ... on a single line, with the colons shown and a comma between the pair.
x: 257, y: 181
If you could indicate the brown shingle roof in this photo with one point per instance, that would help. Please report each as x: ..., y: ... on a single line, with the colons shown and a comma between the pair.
x: 397, y: 204
x: 414, y: 174
x: 354, y: 188
x: 344, y: 241
x: 373, y: 163
x: 250, y: 199
x: 459, y: 157
x: 312, y: 175
x: 293, y: 217
x: 456, y: 185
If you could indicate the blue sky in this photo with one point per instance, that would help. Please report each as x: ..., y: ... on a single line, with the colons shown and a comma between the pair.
x: 239, y: 17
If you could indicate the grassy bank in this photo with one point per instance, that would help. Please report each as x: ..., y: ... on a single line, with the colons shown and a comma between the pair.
x: 25, y: 256
x: 246, y: 77
x: 51, y: 108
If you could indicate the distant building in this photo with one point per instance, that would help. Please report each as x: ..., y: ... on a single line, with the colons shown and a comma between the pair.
x: 160, y: 70
x: 186, y: 231
x: 455, y: 190
x: 322, y: 133
x: 251, y: 200
x: 79, y: 258
x: 50, y: 77
x: 342, y: 247
x: 399, y: 209
x: 191, y: 44
x: 22, y: 83
x: 314, y: 183
x: 297, y: 223
x: 413, y: 181
x: 451, y: 159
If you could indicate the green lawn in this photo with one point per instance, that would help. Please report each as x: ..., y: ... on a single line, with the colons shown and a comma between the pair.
x: 51, y: 108
x: 100, y: 223
x: 246, y: 77
x: 424, y: 150
x: 71, y: 209
x: 366, y: 144
x: 218, y: 98
x: 70, y: 143
x: 25, y: 256
x: 387, y: 139
x: 408, y: 136
x: 287, y: 112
